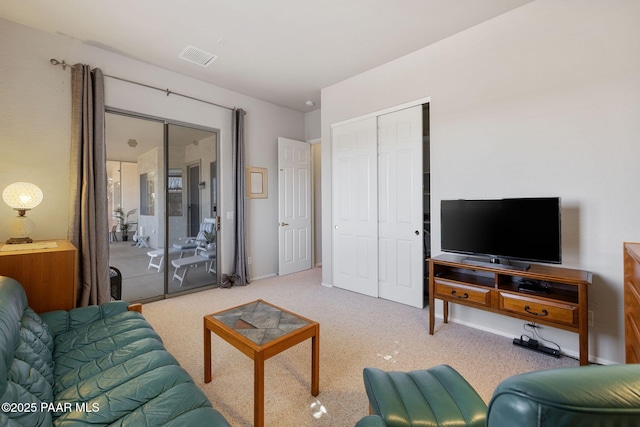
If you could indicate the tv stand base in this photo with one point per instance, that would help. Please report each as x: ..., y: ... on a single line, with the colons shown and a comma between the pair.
x: 559, y: 300
x: 496, y: 263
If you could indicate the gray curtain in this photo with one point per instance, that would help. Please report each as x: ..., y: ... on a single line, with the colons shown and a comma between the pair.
x: 88, y: 216
x: 240, y: 266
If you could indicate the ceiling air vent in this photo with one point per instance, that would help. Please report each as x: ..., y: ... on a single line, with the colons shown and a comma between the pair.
x: 197, y: 56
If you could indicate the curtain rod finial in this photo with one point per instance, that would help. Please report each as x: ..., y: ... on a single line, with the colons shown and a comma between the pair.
x: 54, y: 61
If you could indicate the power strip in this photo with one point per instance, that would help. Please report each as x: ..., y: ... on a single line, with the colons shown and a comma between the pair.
x: 536, y: 346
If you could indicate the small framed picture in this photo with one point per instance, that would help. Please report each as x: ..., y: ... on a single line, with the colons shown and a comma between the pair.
x: 256, y: 183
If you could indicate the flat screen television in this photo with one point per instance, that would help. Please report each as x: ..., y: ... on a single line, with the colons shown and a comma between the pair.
x: 500, y: 230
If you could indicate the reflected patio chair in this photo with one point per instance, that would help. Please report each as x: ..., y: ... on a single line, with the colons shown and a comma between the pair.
x: 202, y: 254
x: 199, y: 241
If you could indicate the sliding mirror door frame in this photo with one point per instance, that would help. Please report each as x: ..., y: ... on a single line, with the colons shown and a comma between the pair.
x: 195, y: 234
x: 210, y: 189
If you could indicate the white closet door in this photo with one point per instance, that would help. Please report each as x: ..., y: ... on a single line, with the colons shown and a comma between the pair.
x: 400, y: 213
x: 355, y: 207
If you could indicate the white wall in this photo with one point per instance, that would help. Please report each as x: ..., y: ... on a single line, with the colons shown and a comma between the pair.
x: 541, y: 101
x: 312, y: 125
x: 151, y: 163
x: 35, y: 129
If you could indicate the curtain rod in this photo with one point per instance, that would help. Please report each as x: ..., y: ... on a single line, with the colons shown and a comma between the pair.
x: 64, y: 66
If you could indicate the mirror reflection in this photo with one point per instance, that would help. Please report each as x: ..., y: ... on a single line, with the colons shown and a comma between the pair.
x: 161, y: 217
x: 192, y: 207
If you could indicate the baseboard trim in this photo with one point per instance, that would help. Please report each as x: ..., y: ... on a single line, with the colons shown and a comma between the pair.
x: 266, y: 276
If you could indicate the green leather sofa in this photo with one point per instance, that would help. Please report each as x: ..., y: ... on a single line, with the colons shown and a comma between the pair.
x: 94, y: 365
x: 589, y: 396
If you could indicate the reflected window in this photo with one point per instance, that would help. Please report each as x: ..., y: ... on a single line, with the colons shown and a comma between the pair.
x: 175, y: 192
x: 147, y: 194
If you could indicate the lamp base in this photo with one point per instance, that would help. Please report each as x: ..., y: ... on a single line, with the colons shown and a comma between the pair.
x: 18, y: 240
x: 20, y: 227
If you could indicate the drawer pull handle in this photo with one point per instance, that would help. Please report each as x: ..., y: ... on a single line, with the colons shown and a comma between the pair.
x: 465, y: 295
x: 543, y: 313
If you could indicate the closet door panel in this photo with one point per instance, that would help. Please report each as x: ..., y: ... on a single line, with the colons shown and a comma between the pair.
x: 355, y: 207
x: 400, y: 224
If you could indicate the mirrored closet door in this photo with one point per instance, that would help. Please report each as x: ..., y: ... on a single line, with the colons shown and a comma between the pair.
x: 192, y: 207
x: 162, y: 205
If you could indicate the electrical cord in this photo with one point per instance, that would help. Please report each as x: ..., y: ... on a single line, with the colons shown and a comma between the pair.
x: 534, y: 328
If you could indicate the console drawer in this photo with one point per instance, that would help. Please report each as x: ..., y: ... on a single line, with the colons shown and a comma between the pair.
x: 540, y: 309
x: 455, y: 291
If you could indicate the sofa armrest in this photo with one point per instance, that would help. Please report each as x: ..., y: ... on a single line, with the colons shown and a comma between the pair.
x: 61, y: 321
x: 371, y: 421
x: 580, y: 396
x: 135, y: 307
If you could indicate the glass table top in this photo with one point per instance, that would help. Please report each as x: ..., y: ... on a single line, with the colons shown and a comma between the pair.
x: 260, y: 322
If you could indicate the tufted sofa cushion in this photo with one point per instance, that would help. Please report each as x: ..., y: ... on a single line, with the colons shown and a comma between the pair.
x: 91, y: 365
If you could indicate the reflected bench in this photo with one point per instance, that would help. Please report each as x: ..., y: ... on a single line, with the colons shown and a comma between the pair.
x: 160, y: 253
x: 182, y: 265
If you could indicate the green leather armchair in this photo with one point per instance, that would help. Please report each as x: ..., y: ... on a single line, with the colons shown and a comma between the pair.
x: 593, y: 396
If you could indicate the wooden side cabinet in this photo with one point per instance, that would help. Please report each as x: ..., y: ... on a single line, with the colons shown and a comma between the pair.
x: 47, y: 275
x: 559, y: 298
x: 632, y: 302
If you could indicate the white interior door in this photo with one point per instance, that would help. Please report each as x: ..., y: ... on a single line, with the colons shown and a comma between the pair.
x: 294, y: 206
x: 355, y: 207
x: 400, y: 212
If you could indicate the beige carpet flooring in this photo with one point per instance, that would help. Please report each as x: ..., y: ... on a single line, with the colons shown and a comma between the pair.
x: 355, y: 331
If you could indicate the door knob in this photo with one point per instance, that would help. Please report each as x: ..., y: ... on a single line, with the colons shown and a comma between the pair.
x: 335, y: 226
x: 417, y: 233
x: 283, y: 224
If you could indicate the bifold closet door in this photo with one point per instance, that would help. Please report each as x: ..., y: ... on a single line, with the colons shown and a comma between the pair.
x: 400, y: 211
x: 355, y: 206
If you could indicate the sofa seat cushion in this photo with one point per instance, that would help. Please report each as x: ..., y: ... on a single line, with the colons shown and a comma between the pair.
x: 152, y: 397
x: 118, y: 365
x: 94, y: 365
x: 90, y: 342
x: 98, y: 366
x: 438, y: 396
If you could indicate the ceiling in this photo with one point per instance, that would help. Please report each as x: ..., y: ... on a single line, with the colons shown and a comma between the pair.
x: 280, y: 51
x: 148, y: 134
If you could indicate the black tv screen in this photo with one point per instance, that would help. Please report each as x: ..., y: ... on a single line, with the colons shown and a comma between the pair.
x: 525, y: 229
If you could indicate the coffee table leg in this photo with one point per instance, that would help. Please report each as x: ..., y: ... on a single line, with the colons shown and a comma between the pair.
x: 315, y: 362
x: 258, y: 390
x: 207, y: 353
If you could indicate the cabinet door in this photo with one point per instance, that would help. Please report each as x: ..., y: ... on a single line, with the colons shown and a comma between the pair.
x: 400, y: 211
x: 47, y: 275
x: 355, y: 207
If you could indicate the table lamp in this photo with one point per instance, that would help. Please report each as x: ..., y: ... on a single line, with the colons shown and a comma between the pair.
x: 21, y: 196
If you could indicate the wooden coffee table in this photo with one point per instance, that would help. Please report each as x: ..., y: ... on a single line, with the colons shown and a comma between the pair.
x: 261, y: 330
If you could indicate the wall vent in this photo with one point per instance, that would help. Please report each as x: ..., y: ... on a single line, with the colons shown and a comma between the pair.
x: 197, y: 56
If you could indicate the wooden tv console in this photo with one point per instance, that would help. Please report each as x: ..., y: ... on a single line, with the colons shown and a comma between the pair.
x: 560, y: 299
